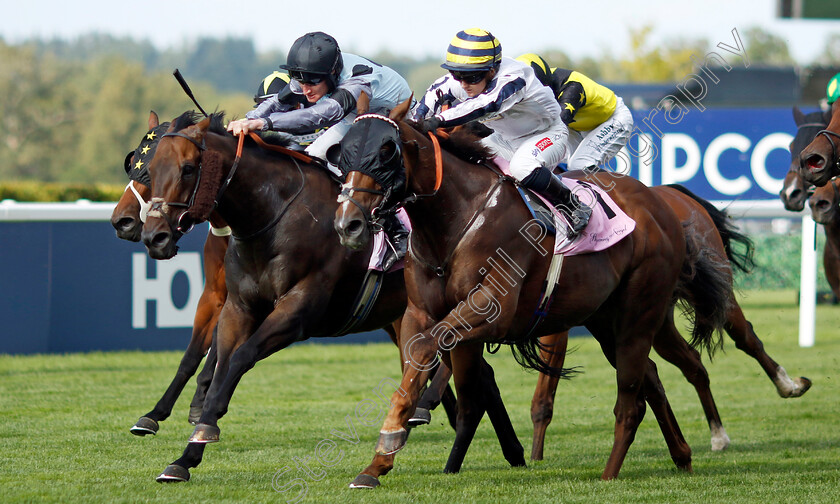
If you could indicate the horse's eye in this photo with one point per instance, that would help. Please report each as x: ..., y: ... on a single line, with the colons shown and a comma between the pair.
x: 188, y: 170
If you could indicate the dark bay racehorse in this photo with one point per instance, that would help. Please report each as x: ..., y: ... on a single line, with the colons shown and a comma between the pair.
x: 720, y: 238
x: 465, y: 216
x: 795, y: 190
x: 825, y: 210
x: 287, y: 275
x: 126, y: 219
x: 819, y: 161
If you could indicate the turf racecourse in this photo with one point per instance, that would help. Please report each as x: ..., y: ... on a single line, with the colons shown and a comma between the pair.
x: 64, y: 430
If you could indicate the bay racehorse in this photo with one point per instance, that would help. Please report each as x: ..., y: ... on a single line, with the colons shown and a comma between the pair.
x: 795, y: 190
x: 819, y: 161
x: 465, y: 216
x: 720, y: 237
x: 127, y: 219
x: 825, y: 210
x: 288, y: 278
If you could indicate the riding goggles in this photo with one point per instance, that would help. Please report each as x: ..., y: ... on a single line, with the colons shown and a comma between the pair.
x: 261, y: 98
x: 307, y: 77
x: 468, y: 77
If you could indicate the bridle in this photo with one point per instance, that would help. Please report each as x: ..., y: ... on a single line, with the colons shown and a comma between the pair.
x: 376, y: 216
x: 835, y: 159
x: 159, y: 205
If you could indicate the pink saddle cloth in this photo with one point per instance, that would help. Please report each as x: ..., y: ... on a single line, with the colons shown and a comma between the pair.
x: 603, y: 230
x: 380, y: 246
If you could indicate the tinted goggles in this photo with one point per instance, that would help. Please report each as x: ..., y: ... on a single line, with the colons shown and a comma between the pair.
x: 307, y: 77
x: 468, y: 77
x: 261, y: 98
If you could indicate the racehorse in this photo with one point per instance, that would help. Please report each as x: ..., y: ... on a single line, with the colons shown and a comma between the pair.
x: 795, y: 190
x: 288, y: 277
x: 465, y: 215
x: 819, y: 161
x: 126, y: 219
x: 720, y: 236
x: 824, y: 210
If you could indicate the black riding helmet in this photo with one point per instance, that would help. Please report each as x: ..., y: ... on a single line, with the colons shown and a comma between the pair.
x: 315, y: 57
x: 271, y: 85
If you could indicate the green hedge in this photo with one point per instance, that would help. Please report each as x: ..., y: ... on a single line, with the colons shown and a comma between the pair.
x: 50, y: 192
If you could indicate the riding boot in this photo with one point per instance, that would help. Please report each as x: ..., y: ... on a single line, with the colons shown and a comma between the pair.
x: 398, y: 234
x: 552, y: 189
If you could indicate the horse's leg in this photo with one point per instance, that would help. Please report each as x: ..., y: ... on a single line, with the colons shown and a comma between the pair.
x: 741, y: 331
x: 234, y: 327
x: 655, y: 395
x: 450, y: 405
x: 420, y: 352
x: 205, y: 377
x: 432, y: 396
x: 542, y: 405
x: 669, y: 344
x: 511, y: 447
x: 469, y: 371
x: 202, y: 336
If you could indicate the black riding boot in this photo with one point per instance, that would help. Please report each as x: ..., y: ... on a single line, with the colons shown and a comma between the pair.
x: 552, y: 188
x: 398, y: 235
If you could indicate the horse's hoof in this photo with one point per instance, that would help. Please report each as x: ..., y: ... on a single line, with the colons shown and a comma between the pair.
x: 802, y: 386
x: 173, y: 474
x: 391, y: 442
x: 365, y: 481
x: 145, y: 426
x: 195, y: 415
x: 205, y: 433
x: 421, y: 416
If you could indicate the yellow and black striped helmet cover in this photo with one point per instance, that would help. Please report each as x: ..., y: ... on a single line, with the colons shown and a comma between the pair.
x: 473, y: 49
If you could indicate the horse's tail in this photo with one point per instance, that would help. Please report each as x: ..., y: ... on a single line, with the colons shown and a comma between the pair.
x: 744, y: 257
x: 704, y: 291
x: 529, y: 353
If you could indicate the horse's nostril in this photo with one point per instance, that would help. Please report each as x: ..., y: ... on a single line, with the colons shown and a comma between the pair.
x: 355, y: 227
x: 823, y: 205
x: 125, y: 224
x: 815, y: 161
x: 160, y: 239
x: 796, y: 193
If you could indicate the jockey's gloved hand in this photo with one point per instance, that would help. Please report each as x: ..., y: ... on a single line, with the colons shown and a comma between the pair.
x: 431, y: 124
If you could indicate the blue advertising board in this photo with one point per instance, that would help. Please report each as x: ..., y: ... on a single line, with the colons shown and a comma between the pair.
x: 719, y: 154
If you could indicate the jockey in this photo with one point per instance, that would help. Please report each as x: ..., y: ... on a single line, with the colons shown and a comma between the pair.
x: 277, y: 83
x: 832, y: 90
x: 599, y: 122
x: 330, y: 82
x: 505, y: 95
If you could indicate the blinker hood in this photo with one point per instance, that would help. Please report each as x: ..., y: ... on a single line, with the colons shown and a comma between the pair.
x: 372, y: 147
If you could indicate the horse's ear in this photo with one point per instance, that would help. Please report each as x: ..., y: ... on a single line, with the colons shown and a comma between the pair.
x: 362, y: 104
x: 401, y: 110
x: 154, y: 121
x: 798, y: 116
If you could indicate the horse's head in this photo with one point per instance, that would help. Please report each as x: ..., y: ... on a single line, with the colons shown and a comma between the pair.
x: 178, y: 196
x: 795, y: 190
x: 130, y: 213
x: 820, y: 160
x: 824, y: 203
x: 371, y: 154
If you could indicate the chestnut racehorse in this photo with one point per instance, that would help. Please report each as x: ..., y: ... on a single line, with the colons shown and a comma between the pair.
x: 463, y: 215
x: 126, y: 219
x: 795, y: 190
x: 819, y: 161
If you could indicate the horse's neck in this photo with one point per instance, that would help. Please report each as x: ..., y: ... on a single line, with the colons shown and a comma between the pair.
x: 260, y: 188
x: 439, y: 222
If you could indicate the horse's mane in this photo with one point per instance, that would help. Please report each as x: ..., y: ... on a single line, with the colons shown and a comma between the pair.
x: 464, y: 143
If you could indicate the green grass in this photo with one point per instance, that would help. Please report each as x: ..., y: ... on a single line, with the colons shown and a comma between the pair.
x: 64, y: 429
